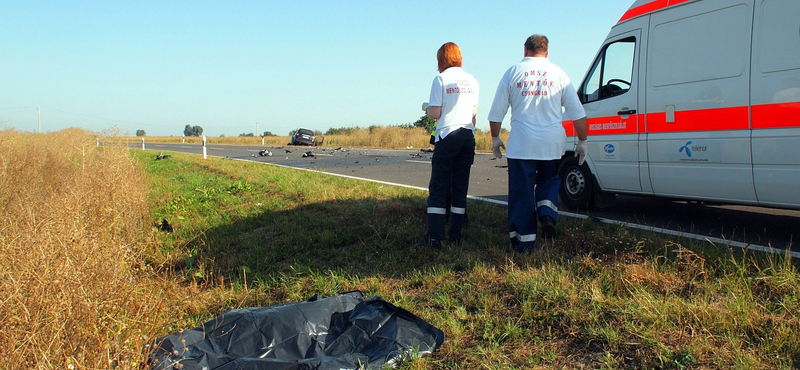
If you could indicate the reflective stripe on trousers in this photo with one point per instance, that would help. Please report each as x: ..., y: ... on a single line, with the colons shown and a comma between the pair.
x: 522, y: 238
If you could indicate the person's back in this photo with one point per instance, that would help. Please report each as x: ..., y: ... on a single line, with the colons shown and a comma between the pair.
x: 459, y: 99
x: 535, y: 89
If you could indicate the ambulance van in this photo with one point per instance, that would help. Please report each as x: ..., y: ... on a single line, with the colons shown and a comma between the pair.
x: 693, y: 100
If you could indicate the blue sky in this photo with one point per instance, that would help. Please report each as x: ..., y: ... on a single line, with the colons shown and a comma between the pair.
x: 241, y: 66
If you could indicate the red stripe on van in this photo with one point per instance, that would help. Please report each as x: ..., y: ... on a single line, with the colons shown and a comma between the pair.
x: 735, y: 118
x: 644, y: 9
x: 649, y: 8
x: 569, y: 127
x: 776, y: 115
x: 642, y: 123
x: 613, y: 125
x: 781, y: 115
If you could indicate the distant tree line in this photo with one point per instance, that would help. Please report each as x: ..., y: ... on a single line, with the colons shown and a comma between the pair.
x: 190, y: 130
x: 250, y: 134
x: 425, y: 122
x: 341, y: 131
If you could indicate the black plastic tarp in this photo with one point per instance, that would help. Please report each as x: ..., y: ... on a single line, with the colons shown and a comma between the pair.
x: 346, y: 331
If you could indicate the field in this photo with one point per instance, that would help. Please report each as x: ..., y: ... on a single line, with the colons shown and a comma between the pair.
x: 374, y: 137
x: 87, y: 279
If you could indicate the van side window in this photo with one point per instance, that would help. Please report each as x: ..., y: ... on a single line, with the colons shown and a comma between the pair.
x: 773, y: 41
x: 612, y: 72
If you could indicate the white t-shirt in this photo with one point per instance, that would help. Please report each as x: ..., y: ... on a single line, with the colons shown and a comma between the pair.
x: 535, y: 89
x: 456, y: 92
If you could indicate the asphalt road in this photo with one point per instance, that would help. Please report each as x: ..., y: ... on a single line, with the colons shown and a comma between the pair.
x: 740, y: 226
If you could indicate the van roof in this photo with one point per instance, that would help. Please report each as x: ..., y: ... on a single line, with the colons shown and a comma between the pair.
x: 642, y: 7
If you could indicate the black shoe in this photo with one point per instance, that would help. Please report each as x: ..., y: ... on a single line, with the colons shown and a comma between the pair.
x: 427, y: 242
x: 523, y: 248
x: 548, y: 227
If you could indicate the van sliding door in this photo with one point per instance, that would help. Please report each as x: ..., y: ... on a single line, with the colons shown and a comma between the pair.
x: 698, y: 137
x: 775, y: 96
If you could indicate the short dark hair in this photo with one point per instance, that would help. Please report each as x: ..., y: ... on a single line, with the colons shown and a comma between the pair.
x: 537, y: 43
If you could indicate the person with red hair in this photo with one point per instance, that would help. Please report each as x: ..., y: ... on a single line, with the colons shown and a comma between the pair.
x: 453, y: 104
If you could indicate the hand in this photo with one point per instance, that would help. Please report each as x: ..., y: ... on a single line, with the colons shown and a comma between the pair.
x: 497, y: 143
x: 425, y: 106
x: 581, y: 150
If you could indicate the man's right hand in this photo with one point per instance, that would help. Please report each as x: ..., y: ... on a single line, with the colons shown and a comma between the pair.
x: 581, y: 150
x: 497, y: 143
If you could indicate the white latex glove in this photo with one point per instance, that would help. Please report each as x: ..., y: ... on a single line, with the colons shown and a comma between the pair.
x: 497, y: 143
x: 581, y: 150
x: 425, y: 106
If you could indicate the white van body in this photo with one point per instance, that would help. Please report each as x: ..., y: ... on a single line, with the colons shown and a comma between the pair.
x: 695, y: 100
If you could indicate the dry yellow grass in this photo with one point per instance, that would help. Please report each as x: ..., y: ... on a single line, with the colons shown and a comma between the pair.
x: 78, y: 285
x: 86, y: 281
x: 73, y: 223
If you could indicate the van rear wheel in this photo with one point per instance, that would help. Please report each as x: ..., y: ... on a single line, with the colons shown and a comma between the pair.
x: 577, y: 188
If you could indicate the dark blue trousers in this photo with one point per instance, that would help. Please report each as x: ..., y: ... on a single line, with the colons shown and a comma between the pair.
x: 452, y: 160
x: 532, y: 193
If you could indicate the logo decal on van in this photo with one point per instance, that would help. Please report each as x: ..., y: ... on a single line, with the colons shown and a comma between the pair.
x: 686, y: 148
x: 691, y: 150
x: 610, y: 152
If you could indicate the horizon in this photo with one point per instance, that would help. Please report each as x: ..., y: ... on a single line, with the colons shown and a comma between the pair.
x: 251, y: 67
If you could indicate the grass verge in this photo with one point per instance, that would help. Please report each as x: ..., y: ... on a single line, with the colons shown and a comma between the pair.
x: 87, y: 279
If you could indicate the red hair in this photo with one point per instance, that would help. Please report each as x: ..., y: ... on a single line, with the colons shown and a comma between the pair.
x: 449, y: 55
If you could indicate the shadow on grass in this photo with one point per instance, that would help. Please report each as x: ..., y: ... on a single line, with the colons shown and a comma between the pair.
x: 578, y: 306
x: 359, y: 238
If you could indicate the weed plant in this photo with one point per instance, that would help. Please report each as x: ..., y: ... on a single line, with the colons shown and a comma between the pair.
x: 88, y: 280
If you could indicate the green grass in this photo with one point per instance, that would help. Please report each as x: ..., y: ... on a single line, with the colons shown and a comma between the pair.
x: 599, y: 296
